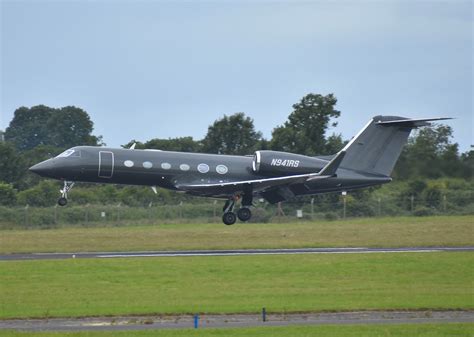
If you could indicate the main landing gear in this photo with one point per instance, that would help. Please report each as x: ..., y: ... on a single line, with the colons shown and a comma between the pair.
x: 244, y: 213
x: 62, y: 201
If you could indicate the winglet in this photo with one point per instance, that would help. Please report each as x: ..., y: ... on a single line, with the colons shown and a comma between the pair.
x: 331, y: 167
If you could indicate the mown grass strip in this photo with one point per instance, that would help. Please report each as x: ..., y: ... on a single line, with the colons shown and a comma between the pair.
x: 374, y: 232
x: 236, y: 284
x: 388, y: 330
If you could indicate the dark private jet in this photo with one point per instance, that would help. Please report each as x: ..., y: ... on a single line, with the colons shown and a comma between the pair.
x: 367, y: 160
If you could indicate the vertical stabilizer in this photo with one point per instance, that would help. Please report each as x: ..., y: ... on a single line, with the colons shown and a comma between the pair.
x: 376, y: 148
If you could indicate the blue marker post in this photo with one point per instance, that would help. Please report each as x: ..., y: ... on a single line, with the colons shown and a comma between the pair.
x: 264, y: 314
x: 196, y: 321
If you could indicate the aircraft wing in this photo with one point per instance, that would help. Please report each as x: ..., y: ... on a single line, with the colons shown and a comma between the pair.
x: 257, y: 185
x: 225, y: 189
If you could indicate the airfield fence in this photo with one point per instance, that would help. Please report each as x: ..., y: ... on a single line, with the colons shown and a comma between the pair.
x: 328, y: 207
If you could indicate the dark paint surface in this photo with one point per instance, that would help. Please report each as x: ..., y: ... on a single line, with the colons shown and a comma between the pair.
x: 367, y: 160
x: 86, y: 167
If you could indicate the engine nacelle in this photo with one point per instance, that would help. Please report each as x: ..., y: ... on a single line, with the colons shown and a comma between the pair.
x: 284, y: 163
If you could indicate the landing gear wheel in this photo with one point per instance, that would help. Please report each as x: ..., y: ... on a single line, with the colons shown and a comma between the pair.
x: 244, y: 214
x: 62, y: 201
x: 229, y: 218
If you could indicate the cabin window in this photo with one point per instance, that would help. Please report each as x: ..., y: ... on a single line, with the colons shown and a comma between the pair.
x: 222, y: 169
x: 203, y: 168
x: 184, y: 167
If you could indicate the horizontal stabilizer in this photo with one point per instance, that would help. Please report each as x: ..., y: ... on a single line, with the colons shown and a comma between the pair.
x: 411, y: 123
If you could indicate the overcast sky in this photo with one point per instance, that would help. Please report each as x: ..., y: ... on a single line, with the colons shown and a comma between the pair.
x: 154, y: 69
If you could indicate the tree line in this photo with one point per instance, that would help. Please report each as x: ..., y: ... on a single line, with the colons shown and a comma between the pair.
x: 40, y: 132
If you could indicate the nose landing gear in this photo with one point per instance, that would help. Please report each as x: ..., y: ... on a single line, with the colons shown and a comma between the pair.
x: 62, y: 201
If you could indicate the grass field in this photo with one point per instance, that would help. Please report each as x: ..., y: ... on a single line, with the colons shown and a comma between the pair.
x: 289, y: 283
x: 373, y: 232
x: 419, y: 330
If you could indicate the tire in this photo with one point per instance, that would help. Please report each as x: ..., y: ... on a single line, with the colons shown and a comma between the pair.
x: 62, y: 201
x: 229, y: 218
x: 244, y: 214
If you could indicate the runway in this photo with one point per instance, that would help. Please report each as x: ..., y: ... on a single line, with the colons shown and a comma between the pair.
x: 236, y: 252
x: 236, y: 320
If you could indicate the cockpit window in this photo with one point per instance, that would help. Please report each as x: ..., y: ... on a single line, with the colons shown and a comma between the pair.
x: 69, y: 153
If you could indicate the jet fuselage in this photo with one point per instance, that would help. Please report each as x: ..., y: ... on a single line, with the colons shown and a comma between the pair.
x: 174, y: 169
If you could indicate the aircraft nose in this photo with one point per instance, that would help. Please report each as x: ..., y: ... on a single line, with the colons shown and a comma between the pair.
x: 45, y: 168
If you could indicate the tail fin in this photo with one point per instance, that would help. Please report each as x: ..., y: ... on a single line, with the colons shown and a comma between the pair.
x: 376, y: 148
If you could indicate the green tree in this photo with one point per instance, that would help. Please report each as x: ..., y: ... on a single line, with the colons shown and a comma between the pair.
x: 137, y: 196
x: 263, y: 144
x: 44, y: 194
x: 71, y: 126
x: 12, y: 164
x: 27, y: 129
x: 181, y: 144
x: 40, y: 153
x: 429, y: 154
x: 334, y: 143
x: 412, y: 190
x: 467, y: 160
x: 304, y: 131
x: 7, y: 194
x: 43, y: 125
x: 234, y: 134
x: 432, y: 196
